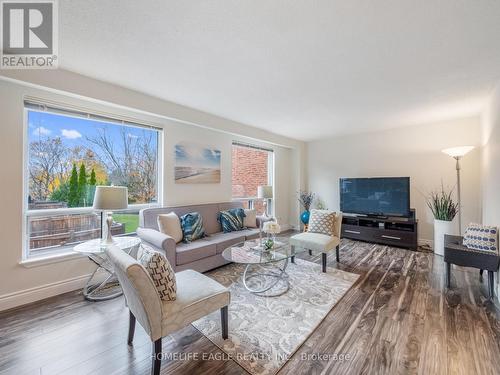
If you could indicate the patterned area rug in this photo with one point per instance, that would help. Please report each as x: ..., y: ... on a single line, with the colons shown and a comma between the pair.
x: 264, y: 332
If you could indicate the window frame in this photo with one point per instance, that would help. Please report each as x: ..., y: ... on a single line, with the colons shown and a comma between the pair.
x: 93, y: 115
x: 270, y: 174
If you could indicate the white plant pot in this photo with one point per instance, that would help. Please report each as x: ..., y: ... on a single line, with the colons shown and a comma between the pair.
x: 441, y: 228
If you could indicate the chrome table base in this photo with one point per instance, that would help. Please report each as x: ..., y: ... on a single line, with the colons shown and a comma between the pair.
x: 278, y: 276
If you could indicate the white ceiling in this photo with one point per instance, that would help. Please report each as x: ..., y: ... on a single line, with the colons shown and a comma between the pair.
x: 305, y: 69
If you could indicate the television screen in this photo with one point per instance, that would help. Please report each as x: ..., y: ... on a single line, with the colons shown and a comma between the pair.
x: 381, y: 196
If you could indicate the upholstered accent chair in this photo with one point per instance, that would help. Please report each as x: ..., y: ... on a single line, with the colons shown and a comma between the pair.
x: 197, y: 296
x: 320, y: 242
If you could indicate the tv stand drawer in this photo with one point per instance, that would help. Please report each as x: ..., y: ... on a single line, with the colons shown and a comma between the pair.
x: 401, y: 238
x: 357, y: 232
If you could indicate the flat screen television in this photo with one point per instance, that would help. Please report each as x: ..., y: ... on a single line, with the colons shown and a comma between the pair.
x: 378, y: 196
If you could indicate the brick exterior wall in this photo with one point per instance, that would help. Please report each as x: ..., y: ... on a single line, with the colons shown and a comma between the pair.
x: 249, y: 170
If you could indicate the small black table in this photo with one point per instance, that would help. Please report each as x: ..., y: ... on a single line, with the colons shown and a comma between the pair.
x: 455, y: 252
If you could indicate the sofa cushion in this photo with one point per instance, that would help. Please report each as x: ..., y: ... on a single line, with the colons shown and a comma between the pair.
x: 190, y: 252
x: 250, y: 218
x: 170, y: 224
x: 223, y: 240
x: 192, y: 227
x: 231, y: 220
x: 314, y: 241
x: 251, y: 233
x: 148, y: 216
x: 197, y: 296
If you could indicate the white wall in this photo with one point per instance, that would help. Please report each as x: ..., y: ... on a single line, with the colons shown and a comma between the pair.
x: 491, y: 160
x: 491, y: 164
x: 19, y: 284
x: 410, y: 151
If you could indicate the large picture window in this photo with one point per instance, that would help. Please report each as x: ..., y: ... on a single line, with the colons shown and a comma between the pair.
x: 68, y: 154
x: 252, y: 166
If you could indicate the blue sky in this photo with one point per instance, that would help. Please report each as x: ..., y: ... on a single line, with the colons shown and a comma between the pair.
x: 193, y: 155
x: 72, y: 130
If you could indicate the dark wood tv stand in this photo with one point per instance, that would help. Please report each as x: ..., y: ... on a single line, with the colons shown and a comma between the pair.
x: 393, y: 231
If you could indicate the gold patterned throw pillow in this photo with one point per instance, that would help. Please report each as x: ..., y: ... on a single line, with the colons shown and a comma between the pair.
x: 322, y: 221
x: 160, y: 271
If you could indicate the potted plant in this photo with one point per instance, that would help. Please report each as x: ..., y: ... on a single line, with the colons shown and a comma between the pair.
x: 305, y: 199
x: 444, y: 210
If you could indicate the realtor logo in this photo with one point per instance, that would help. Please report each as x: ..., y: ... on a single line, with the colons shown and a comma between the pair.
x: 29, y: 34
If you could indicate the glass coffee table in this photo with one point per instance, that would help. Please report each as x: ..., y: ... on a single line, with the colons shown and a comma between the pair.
x: 268, y: 267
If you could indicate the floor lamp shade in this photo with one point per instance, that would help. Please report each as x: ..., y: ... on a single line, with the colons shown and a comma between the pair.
x: 110, y: 198
x: 458, y: 152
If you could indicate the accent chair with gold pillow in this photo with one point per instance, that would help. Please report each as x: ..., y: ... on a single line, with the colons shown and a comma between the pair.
x: 323, y: 234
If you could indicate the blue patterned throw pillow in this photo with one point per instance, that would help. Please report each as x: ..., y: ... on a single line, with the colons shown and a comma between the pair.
x: 192, y: 227
x: 231, y: 220
x: 481, y: 237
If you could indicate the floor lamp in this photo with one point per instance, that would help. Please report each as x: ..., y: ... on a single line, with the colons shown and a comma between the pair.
x: 457, y: 153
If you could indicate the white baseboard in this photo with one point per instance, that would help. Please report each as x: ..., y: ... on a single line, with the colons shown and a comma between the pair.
x: 23, y: 297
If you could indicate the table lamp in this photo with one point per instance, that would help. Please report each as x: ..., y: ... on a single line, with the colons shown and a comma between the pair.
x: 265, y: 192
x: 457, y: 153
x: 108, y: 199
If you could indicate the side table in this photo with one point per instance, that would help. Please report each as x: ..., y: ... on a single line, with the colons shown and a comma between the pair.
x: 94, y: 289
x: 455, y: 252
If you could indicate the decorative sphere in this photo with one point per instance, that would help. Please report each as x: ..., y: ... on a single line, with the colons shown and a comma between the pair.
x: 304, y: 217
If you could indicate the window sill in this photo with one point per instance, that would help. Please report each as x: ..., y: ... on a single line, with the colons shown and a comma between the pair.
x: 50, y: 259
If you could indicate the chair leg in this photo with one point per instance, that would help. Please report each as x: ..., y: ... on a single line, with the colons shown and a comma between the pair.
x: 491, y: 284
x: 337, y: 253
x: 156, y: 365
x: 131, y: 328
x: 323, y: 262
x: 224, y: 320
x: 448, y: 274
x: 310, y: 252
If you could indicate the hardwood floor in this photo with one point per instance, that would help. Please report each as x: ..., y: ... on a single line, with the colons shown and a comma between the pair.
x: 397, y: 319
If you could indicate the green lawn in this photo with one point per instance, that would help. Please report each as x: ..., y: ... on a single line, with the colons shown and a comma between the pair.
x: 131, y: 221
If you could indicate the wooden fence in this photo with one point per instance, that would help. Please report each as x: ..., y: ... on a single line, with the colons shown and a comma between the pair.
x: 51, y: 231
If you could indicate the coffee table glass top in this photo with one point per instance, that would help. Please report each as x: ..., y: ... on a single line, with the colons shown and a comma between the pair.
x: 249, y: 252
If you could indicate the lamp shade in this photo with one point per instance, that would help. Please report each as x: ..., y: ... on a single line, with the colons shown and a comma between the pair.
x: 457, y: 152
x: 109, y: 198
x: 265, y: 192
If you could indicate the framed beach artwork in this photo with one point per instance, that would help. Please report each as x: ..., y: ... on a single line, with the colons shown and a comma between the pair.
x: 196, y: 164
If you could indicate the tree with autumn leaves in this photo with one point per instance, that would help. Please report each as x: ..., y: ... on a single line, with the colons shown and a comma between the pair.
x: 79, y: 190
x: 60, y: 173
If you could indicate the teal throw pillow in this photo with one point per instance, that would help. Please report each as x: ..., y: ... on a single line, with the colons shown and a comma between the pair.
x: 192, y: 227
x: 232, y: 220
